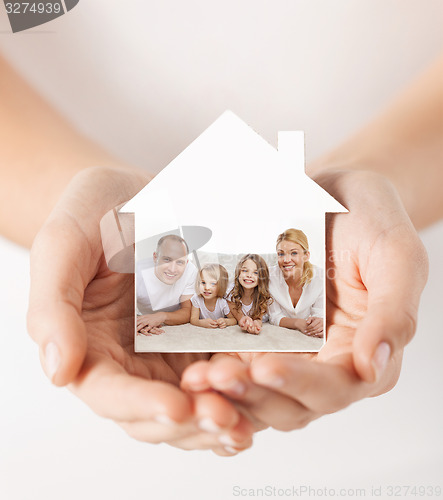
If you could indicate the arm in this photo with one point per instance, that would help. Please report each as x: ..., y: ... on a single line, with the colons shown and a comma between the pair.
x: 80, y: 313
x: 293, y: 323
x: 275, y: 313
x: 404, y: 144
x: 37, y: 144
x: 373, y: 299
x: 238, y: 315
x: 230, y: 320
x: 180, y: 316
x: 204, y: 323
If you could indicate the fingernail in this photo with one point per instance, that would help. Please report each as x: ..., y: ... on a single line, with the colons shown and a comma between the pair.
x: 267, y: 380
x: 164, y: 419
x: 277, y: 382
x: 233, y: 387
x: 208, y: 425
x: 238, y: 388
x: 231, y: 450
x: 381, y: 358
x: 52, y: 360
x: 227, y: 440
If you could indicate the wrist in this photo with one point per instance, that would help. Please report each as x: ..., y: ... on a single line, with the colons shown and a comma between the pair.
x: 338, y: 173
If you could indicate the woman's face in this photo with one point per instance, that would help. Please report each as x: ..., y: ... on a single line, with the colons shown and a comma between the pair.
x: 291, y: 258
x: 248, y: 276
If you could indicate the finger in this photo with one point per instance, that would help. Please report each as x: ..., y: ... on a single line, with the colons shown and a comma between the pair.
x: 144, y: 332
x: 194, y: 378
x: 214, y: 413
x: 262, y: 405
x: 112, y: 393
x: 395, y: 278
x: 224, y: 443
x: 313, y: 331
x: 321, y: 387
x: 62, y: 264
x: 156, y: 331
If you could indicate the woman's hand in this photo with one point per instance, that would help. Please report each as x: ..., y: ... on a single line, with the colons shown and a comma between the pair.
x: 81, y: 316
x: 376, y: 269
x: 314, y: 327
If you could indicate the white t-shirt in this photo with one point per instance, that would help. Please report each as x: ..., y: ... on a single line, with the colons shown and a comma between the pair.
x: 310, y: 303
x: 221, y: 309
x: 154, y: 295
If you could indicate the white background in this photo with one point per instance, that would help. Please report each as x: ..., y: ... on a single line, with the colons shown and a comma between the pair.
x: 145, y: 79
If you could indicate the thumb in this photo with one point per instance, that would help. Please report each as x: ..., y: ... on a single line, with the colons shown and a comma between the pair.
x: 58, y: 256
x: 395, y: 276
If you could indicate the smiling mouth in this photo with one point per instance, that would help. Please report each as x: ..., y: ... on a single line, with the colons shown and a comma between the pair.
x: 170, y: 275
x: 248, y: 281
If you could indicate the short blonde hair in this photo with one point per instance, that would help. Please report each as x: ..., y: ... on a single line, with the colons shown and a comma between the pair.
x: 216, y: 272
x: 299, y: 237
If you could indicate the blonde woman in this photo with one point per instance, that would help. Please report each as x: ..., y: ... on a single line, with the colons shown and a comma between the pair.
x: 296, y: 286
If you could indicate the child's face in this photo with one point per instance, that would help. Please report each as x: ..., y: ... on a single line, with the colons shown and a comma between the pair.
x: 208, y: 286
x: 248, y: 276
x: 291, y: 258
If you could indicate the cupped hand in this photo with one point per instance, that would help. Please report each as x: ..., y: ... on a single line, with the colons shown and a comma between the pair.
x: 376, y: 269
x: 81, y: 316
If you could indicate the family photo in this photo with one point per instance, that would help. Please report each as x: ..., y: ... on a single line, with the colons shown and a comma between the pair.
x: 202, y: 301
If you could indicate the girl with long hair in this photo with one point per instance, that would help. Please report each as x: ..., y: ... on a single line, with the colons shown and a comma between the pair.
x: 249, y: 298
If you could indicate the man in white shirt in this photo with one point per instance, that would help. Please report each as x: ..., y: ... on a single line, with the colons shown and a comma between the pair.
x: 165, y: 285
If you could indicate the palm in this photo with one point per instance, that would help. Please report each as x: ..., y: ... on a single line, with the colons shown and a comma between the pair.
x: 91, y: 311
x: 108, y: 314
x: 375, y: 272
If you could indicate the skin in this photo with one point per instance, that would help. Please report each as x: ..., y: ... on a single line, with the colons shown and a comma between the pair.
x: 291, y: 259
x: 287, y: 391
x: 80, y: 322
x: 81, y: 315
x: 376, y: 265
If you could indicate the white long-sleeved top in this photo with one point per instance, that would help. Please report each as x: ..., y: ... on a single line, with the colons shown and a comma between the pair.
x: 310, y: 303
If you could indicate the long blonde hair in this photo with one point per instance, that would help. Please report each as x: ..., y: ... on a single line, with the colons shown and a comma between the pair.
x: 261, y: 297
x: 299, y: 237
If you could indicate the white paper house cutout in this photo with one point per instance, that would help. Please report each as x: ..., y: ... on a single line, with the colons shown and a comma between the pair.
x: 233, y: 182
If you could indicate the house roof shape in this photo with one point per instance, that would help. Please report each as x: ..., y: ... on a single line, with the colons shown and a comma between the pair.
x: 234, y: 182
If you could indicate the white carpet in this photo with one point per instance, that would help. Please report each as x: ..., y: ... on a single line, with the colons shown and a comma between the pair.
x: 189, y: 338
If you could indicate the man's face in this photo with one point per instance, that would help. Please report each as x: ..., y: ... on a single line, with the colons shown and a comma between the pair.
x: 170, y: 261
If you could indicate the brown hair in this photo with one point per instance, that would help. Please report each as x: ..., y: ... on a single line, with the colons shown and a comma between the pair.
x: 299, y: 237
x: 261, y: 297
x: 217, y: 272
x: 172, y: 237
